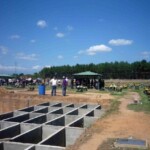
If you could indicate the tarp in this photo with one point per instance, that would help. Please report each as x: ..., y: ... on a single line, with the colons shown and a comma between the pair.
x: 87, y: 73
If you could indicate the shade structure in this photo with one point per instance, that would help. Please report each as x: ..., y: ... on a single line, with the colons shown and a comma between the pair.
x: 5, y: 76
x: 87, y: 73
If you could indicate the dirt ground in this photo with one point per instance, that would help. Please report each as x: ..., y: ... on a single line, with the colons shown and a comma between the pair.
x: 124, y: 124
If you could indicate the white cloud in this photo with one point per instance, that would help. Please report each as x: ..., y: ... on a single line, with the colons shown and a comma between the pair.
x: 41, y: 23
x: 11, y: 68
x: 36, y: 67
x: 69, y: 28
x: 26, y: 57
x: 60, y: 35
x: 145, y: 54
x: 118, y: 42
x: 3, y: 49
x: 97, y: 48
x: 48, y: 66
x: 13, y: 37
x: 60, y: 57
x: 32, y: 41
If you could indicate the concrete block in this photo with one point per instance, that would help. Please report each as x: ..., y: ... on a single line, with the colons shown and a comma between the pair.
x: 46, y: 147
x: 50, y: 116
x: 72, y: 134
x: 37, y: 120
x: 43, y: 110
x: 88, y: 121
x: 74, y: 112
x: 27, y: 109
x: 6, y: 124
x: 77, y: 123
x: 6, y: 115
x: 15, y: 130
x: 19, y: 119
x: 47, y: 130
x: 37, y: 134
x: 57, y: 122
x: 14, y: 146
x: 58, y: 139
x: 70, y: 118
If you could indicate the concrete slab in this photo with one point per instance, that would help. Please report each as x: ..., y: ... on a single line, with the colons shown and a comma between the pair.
x: 131, y: 143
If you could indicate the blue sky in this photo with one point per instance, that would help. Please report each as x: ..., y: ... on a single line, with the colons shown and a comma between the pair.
x: 44, y: 33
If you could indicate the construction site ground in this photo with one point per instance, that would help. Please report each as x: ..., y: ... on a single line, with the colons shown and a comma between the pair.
x: 124, y: 123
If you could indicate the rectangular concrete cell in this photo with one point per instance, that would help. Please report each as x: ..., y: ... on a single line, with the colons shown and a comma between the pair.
x: 36, y: 135
x: 72, y: 134
x: 52, y: 116
x: 74, y: 112
x: 58, y: 111
x: 57, y: 122
x: 6, y: 124
x: 90, y: 114
x: 43, y: 110
x: 19, y: 119
x: 33, y: 115
x: 14, y: 146
x: 70, y: 118
x: 39, y: 107
x: 83, y: 112
x: 33, y: 137
x: 47, y: 126
x: 57, y: 105
x: 78, y: 123
x: 47, y: 130
x: 88, y: 121
x: 89, y: 106
x: 27, y: 109
x: 47, y: 104
x: 58, y: 139
x: 15, y: 130
x: 9, y: 132
x: 37, y: 120
x: 6, y: 115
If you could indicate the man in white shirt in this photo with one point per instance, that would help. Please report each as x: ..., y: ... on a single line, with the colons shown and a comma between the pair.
x: 53, y: 82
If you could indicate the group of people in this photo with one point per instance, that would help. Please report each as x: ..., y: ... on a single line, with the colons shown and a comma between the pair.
x: 54, y: 83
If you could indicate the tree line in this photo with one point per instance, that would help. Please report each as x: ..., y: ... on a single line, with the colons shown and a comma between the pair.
x: 109, y: 70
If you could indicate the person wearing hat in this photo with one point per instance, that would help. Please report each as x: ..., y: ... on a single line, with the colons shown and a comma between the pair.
x: 64, y: 86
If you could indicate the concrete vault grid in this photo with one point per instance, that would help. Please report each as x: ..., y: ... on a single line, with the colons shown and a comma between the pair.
x: 47, y: 126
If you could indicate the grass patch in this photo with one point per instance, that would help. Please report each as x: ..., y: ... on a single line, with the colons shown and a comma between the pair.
x: 114, y: 107
x: 143, y: 105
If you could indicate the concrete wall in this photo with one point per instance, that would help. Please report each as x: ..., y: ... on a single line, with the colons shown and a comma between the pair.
x: 47, y: 126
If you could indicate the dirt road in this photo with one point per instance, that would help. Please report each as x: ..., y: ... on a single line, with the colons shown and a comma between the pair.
x: 124, y: 124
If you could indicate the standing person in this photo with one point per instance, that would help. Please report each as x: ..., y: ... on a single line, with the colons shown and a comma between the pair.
x: 64, y: 86
x: 53, y: 82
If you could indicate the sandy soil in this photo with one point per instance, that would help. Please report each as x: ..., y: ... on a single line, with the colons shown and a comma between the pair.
x: 126, y: 123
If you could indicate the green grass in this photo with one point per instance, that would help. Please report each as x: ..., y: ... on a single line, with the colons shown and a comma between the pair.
x: 114, y: 108
x: 143, y: 105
